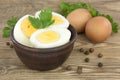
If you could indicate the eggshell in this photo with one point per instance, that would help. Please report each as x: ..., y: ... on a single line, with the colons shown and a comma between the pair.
x: 78, y: 19
x: 98, y: 29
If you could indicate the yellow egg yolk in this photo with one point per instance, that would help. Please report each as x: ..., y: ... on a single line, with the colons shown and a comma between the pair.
x: 57, y: 20
x: 27, y: 28
x: 48, y: 36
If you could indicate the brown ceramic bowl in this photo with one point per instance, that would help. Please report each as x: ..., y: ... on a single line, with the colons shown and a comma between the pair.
x: 44, y: 59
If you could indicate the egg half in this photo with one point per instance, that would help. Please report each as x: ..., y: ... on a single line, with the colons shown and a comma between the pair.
x: 60, y: 21
x: 50, y: 38
x: 23, y: 30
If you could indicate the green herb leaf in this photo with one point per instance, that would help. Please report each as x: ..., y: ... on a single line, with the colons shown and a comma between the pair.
x: 114, y: 27
x: 6, y: 32
x: 66, y: 8
x: 11, y: 23
x: 93, y: 11
x: 35, y: 22
x: 43, y: 20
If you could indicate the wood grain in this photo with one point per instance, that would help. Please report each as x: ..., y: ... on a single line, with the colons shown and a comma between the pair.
x: 11, y: 68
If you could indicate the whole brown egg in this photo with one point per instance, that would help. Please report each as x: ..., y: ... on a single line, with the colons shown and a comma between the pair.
x: 78, y: 19
x: 98, y: 29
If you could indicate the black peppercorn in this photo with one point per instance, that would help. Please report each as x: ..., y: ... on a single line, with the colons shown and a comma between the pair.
x: 81, y: 50
x: 8, y: 43
x: 79, y: 69
x: 100, y: 55
x: 100, y: 64
x: 87, y: 60
x: 91, y: 50
x: 86, y: 52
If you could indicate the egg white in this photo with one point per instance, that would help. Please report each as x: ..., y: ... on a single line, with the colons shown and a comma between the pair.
x: 64, y: 34
x: 18, y: 34
x: 65, y: 23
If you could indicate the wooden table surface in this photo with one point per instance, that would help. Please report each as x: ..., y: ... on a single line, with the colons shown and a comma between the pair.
x: 11, y: 68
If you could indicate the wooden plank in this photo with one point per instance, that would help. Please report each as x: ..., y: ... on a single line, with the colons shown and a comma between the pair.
x: 11, y: 68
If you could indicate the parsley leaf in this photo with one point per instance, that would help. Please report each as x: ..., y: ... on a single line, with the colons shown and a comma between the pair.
x: 66, y: 8
x: 93, y: 11
x: 6, y: 32
x: 35, y: 22
x: 43, y: 20
x: 11, y: 23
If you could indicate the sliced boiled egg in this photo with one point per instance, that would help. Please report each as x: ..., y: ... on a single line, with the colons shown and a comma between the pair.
x: 23, y: 30
x: 50, y: 37
x: 60, y: 21
x: 27, y: 28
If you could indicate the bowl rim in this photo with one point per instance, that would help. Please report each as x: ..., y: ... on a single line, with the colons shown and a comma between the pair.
x: 72, y: 30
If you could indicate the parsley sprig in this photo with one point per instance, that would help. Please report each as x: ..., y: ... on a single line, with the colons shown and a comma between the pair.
x: 43, y: 20
x: 66, y: 8
x: 10, y: 25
